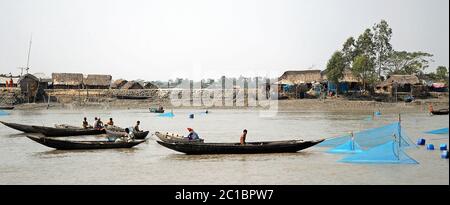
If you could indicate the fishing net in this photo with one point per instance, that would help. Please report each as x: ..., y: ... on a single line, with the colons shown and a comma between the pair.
x: 349, y: 147
x: 169, y: 114
x: 371, y: 137
x: 388, y: 153
x: 438, y: 131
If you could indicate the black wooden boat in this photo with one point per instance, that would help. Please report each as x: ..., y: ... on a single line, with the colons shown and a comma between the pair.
x: 236, y: 148
x: 6, y: 107
x: 130, y: 97
x: 20, y: 127
x: 175, y: 138
x: 73, y: 145
x: 137, y: 135
x: 61, y: 132
x: 440, y: 112
x: 156, y: 110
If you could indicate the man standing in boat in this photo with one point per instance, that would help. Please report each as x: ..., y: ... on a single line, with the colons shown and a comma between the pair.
x: 243, y: 136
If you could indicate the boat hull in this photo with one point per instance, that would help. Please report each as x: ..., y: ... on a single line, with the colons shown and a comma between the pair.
x: 76, y: 145
x: 174, y: 138
x: 235, y: 148
x: 20, y: 127
x: 440, y: 112
x: 7, y: 108
x: 62, y: 132
x: 137, y: 135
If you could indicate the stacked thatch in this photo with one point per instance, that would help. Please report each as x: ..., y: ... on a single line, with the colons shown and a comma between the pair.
x: 67, y: 80
x: 149, y: 85
x: 97, y: 81
x: 117, y: 84
x: 400, y: 80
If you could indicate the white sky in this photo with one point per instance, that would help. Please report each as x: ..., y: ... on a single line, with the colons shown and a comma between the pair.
x: 158, y: 40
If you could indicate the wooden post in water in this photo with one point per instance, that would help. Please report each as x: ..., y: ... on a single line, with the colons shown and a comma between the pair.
x: 256, y: 90
x: 234, y: 92
x: 246, y: 92
x: 191, y: 93
x: 223, y: 91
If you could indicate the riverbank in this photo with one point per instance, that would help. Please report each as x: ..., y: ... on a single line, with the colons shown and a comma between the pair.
x: 282, y: 105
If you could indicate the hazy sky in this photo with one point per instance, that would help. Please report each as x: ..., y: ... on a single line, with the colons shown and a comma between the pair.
x: 149, y: 39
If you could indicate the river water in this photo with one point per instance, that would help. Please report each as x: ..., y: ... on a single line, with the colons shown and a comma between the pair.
x: 23, y: 161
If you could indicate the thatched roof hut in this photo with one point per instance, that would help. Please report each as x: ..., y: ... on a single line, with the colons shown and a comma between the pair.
x: 302, y: 76
x: 149, y: 85
x: 117, y: 84
x: 97, y: 81
x: 400, y: 80
x: 132, y: 85
x: 67, y: 80
x: 348, y: 77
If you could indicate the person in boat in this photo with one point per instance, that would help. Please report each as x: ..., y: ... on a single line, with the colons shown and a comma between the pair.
x: 85, y: 123
x: 161, y: 108
x: 98, y: 124
x: 136, y: 127
x: 126, y: 137
x: 95, y: 122
x: 192, y: 134
x: 110, y: 122
x: 243, y: 136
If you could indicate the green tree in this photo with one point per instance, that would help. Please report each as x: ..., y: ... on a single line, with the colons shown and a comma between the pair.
x: 442, y: 73
x: 382, y: 46
x: 349, y: 51
x: 335, y: 68
x: 403, y: 62
x: 364, y: 68
x: 364, y: 44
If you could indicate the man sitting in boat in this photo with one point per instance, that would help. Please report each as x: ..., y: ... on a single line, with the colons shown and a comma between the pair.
x: 192, y: 134
x: 136, y: 127
x: 85, y: 123
x: 243, y: 136
x: 98, y: 124
x: 110, y: 122
x: 127, y: 137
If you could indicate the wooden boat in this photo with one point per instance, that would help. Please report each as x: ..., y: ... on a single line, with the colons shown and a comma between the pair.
x: 20, y: 127
x: 440, y: 112
x: 137, y: 135
x: 6, y: 107
x: 236, y: 148
x: 61, y: 132
x: 156, y: 110
x: 175, y: 138
x: 129, y: 97
x: 72, y: 145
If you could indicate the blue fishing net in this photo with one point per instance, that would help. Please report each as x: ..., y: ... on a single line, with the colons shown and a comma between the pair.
x: 169, y: 114
x: 388, y: 153
x: 349, y: 147
x: 371, y: 137
x: 3, y: 113
x: 438, y: 131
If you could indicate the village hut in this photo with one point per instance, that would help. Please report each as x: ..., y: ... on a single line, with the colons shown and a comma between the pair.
x: 117, y: 84
x: 97, y: 81
x: 297, y: 83
x: 132, y: 85
x: 67, y: 80
x: 399, y: 84
x: 149, y: 85
x: 348, y: 83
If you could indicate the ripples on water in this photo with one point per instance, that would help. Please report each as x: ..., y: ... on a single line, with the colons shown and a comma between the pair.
x: 25, y: 162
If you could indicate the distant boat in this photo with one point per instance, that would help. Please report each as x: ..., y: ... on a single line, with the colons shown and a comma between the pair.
x: 440, y: 112
x: 156, y: 110
x: 6, y: 107
x: 128, y: 97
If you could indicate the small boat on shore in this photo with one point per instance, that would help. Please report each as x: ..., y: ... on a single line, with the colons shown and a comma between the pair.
x: 20, y: 127
x: 6, y: 107
x: 156, y: 110
x: 74, y: 145
x: 62, y: 132
x: 236, y: 148
x: 440, y: 112
x: 137, y: 135
x: 130, y: 97
x: 175, y: 138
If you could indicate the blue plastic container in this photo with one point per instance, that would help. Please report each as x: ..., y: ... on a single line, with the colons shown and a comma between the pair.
x: 443, y: 147
x: 191, y: 116
x: 430, y: 147
x: 444, y: 155
x: 421, y: 141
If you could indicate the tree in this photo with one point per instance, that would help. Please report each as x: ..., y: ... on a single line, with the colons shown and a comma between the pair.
x: 335, y: 68
x: 349, y: 51
x: 364, y: 68
x: 442, y: 73
x: 382, y: 46
x: 403, y: 62
x: 365, y: 45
